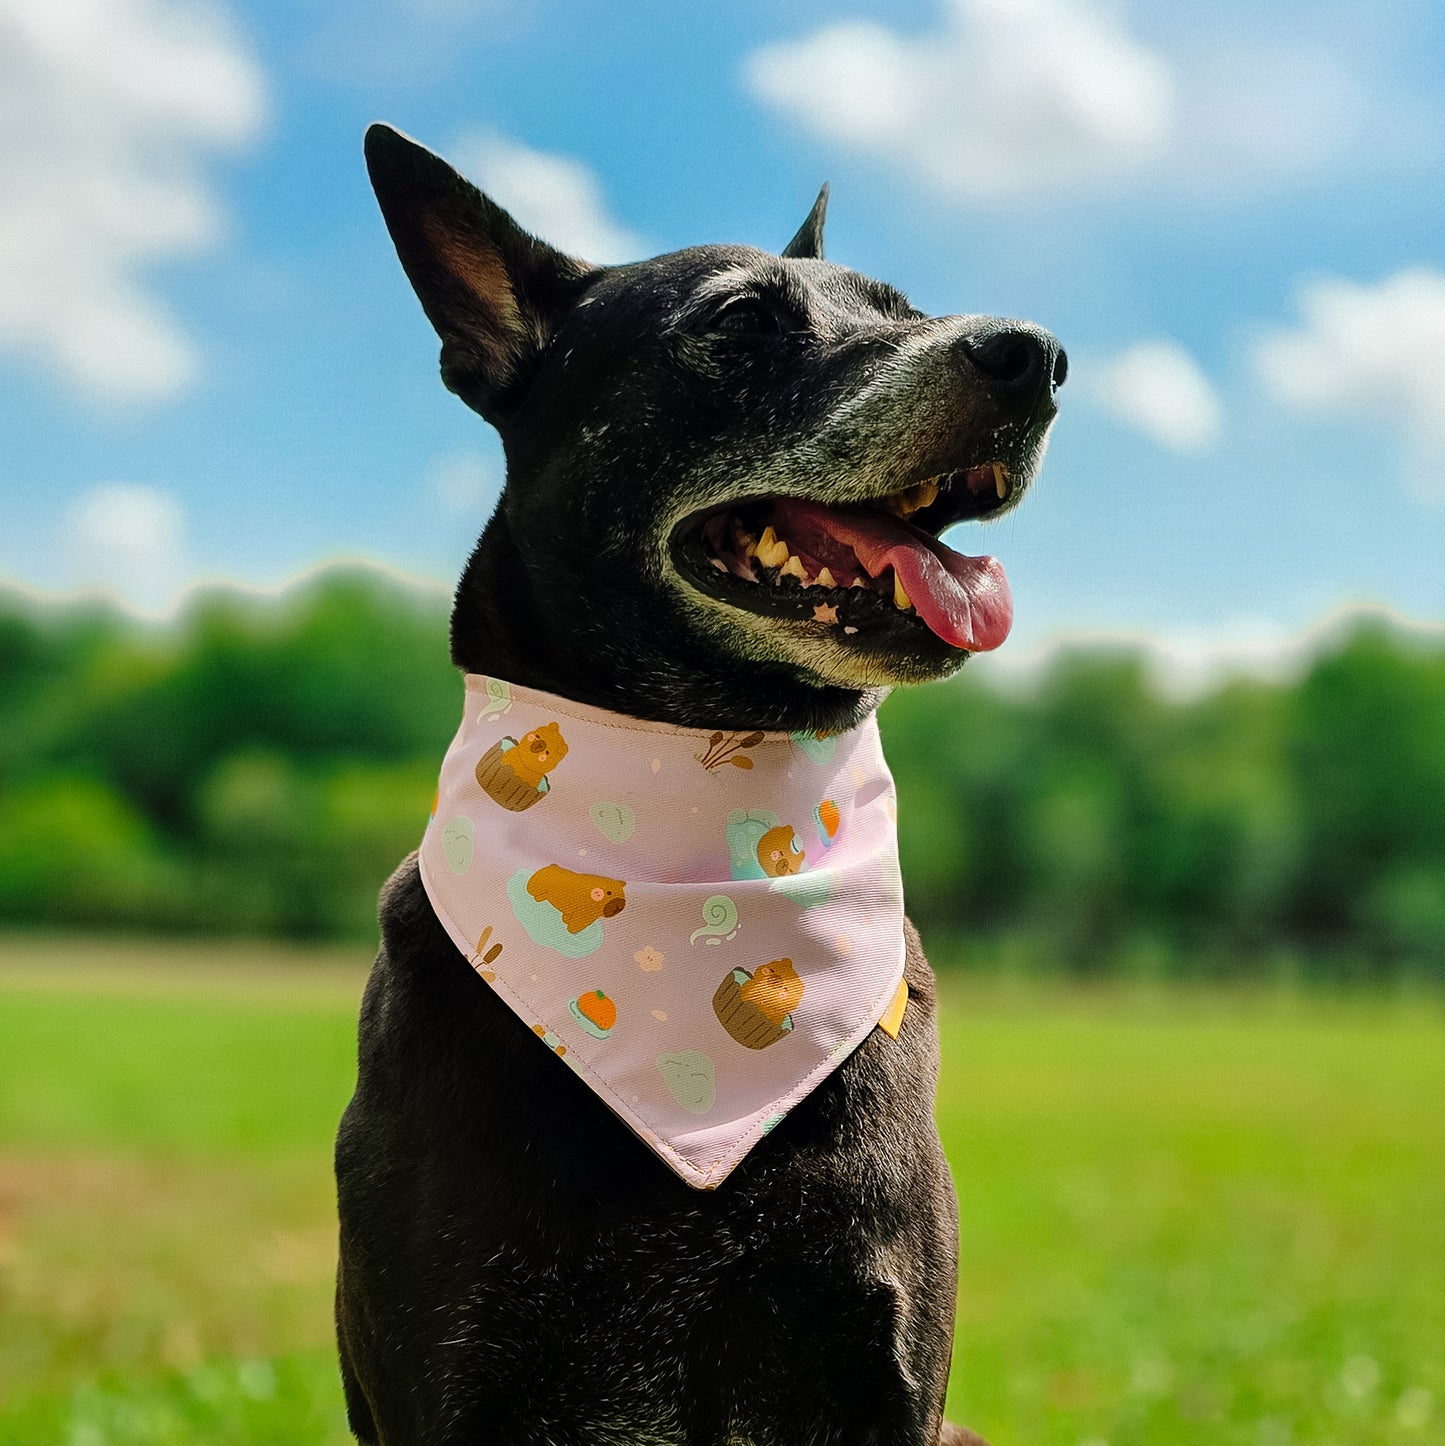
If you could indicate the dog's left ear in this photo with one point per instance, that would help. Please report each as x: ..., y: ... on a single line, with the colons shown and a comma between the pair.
x: 808, y: 243
x: 494, y: 293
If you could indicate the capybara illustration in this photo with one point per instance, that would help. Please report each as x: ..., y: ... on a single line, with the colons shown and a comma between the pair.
x: 778, y: 852
x: 757, y: 1008
x: 775, y: 990
x: 537, y: 753
x: 513, y: 772
x: 581, y: 899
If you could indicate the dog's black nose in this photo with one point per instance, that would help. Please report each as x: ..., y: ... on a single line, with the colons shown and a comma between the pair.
x: 1025, y: 363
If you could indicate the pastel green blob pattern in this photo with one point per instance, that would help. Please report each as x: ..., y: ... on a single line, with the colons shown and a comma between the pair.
x: 688, y: 1075
x: 457, y: 844
x: 614, y: 821
x: 719, y: 920
x: 820, y: 750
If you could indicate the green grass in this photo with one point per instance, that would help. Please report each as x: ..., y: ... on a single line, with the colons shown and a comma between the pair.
x: 1188, y: 1216
x: 1198, y: 1218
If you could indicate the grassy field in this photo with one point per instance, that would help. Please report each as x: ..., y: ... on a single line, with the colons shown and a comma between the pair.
x: 1188, y: 1217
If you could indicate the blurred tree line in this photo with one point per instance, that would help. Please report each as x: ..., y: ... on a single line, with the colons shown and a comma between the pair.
x: 260, y: 766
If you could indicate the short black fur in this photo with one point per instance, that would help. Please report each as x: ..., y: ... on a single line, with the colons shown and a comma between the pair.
x: 515, y: 1267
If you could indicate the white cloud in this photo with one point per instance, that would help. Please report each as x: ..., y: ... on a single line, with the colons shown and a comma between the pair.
x: 109, y: 107
x: 1370, y: 351
x: 465, y: 482
x: 1008, y: 101
x: 126, y: 540
x: 1157, y: 388
x: 1012, y: 96
x: 555, y: 197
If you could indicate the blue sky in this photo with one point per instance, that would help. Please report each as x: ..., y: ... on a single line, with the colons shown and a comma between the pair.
x: 211, y: 366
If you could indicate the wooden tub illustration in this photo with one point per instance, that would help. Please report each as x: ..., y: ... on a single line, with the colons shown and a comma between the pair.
x: 757, y: 1008
x: 513, y: 772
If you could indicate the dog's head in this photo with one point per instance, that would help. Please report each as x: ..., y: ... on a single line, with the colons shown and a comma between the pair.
x: 727, y: 470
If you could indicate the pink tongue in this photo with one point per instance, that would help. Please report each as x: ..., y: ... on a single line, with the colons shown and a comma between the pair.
x: 965, y: 600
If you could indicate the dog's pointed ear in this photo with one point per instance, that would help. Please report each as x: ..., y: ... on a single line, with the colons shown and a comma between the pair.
x: 808, y: 243
x: 494, y: 293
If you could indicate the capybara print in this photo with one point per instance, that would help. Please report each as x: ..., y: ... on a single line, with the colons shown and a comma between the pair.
x: 760, y: 846
x: 757, y: 1008
x: 513, y: 772
x: 563, y: 910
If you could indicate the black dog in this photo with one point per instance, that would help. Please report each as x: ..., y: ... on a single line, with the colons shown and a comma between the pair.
x: 515, y: 1266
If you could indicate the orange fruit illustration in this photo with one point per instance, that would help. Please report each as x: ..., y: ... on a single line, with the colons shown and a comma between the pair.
x: 595, y: 1012
x: 598, y: 1008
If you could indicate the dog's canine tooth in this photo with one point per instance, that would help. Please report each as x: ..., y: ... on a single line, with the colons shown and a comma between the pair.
x: 900, y: 598
x: 912, y: 499
x: 924, y: 495
x: 772, y: 551
x: 826, y: 579
x: 1000, y: 480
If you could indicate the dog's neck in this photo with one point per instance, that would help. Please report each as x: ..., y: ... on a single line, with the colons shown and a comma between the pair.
x: 661, y: 671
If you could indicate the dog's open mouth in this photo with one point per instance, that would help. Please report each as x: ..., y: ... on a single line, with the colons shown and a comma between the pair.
x: 864, y: 565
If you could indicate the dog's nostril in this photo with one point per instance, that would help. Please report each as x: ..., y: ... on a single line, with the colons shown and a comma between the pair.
x: 1007, y: 357
x: 1019, y: 360
x: 1024, y: 363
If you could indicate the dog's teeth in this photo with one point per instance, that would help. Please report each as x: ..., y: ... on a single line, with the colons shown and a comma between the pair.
x: 793, y: 567
x: 772, y: 551
x: 912, y: 499
x: 1000, y: 480
x: 857, y: 582
x: 900, y: 598
x: 718, y: 563
x: 826, y: 579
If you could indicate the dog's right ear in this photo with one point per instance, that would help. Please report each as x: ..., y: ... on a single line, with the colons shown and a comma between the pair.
x: 808, y: 243
x: 494, y: 293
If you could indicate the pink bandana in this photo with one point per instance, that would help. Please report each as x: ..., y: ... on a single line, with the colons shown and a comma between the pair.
x: 702, y: 925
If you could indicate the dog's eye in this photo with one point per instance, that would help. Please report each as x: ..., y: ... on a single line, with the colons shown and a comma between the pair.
x: 747, y: 317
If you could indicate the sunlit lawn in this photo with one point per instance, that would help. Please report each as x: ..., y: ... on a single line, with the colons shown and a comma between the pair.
x: 1188, y: 1217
